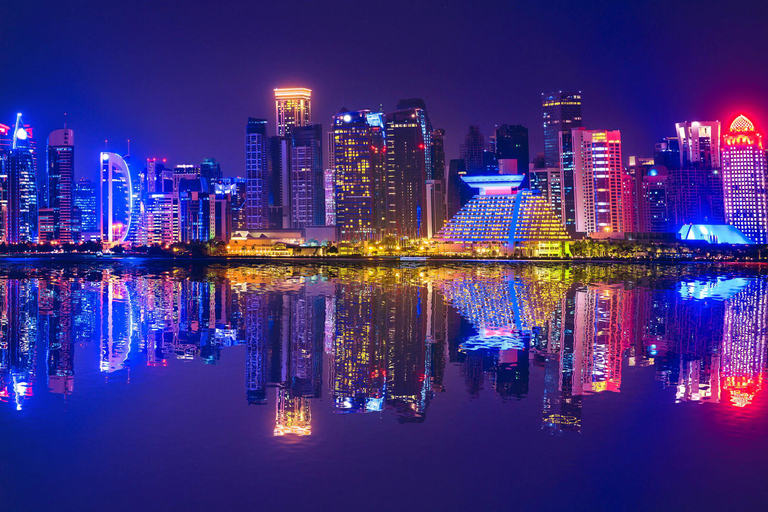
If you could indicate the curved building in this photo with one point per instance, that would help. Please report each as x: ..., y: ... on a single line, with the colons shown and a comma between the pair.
x: 20, y: 224
x: 116, y: 203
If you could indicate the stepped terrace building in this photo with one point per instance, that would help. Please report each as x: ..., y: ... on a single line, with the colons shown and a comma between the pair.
x: 505, y: 216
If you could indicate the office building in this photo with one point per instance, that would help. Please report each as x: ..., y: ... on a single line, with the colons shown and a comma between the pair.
x: 566, y: 152
x: 699, y: 144
x: 597, y: 177
x: 549, y: 181
x: 61, y: 181
x: 20, y: 215
x: 86, y: 208
x: 437, y: 156
x: 307, y: 197
x: 512, y: 146
x: 472, y: 151
x: 406, y: 172
x: 256, y: 174
x: 116, y: 199
x: 745, y: 180
x: 293, y: 109
x: 360, y: 158
x: 562, y: 113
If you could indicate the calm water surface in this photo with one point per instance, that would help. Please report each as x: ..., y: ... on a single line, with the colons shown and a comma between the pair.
x: 140, y: 386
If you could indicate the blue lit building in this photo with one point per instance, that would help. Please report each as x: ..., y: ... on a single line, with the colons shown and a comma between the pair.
x: 502, y: 214
x: 20, y: 218
x: 713, y: 234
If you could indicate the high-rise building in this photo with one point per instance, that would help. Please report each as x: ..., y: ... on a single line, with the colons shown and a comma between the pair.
x: 256, y: 174
x: 472, y: 151
x: 406, y: 172
x: 512, y: 144
x: 307, y: 197
x: 566, y: 152
x: 699, y: 144
x: 20, y: 216
x: 745, y: 180
x: 653, y: 202
x: 597, y: 176
x: 438, y: 155
x: 667, y: 153
x: 116, y: 205
x: 360, y: 158
x: 61, y: 181
x: 86, y: 207
x: 550, y: 182
x: 210, y: 169
x: 562, y: 113
x: 293, y: 108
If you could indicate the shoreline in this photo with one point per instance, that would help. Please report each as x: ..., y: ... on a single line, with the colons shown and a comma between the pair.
x: 203, y: 260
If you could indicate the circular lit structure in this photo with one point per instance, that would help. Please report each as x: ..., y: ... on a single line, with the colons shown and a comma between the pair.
x: 116, y: 204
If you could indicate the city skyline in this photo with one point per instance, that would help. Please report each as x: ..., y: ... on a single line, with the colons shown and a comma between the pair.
x: 457, y: 93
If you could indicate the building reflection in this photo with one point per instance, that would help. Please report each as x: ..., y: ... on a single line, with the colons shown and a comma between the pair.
x: 387, y: 339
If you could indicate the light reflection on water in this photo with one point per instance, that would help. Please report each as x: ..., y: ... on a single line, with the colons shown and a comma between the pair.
x: 379, y: 338
x: 319, y: 346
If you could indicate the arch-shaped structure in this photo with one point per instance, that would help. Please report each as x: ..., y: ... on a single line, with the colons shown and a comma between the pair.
x: 116, y: 204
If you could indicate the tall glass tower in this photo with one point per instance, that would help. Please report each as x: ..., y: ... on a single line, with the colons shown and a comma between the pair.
x: 562, y: 112
x: 61, y: 178
x: 20, y: 218
x: 293, y: 108
x: 745, y: 180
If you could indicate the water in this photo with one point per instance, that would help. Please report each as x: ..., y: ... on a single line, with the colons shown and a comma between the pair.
x: 148, y: 386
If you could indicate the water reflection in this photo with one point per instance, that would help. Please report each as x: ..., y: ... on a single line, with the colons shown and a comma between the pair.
x: 379, y: 338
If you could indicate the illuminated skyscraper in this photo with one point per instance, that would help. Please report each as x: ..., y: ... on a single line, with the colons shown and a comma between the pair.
x: 360, y: 157
x: 562, y: 113
x: 307, y: 197
x: 116, y: 204
x: 597, y: 180
x: 86, y: 207
x: 745, y: 180
x: 20, y: 218
x: 256, y: 174
x: 61, y: 181
x: 408, y: 158
x: 293, y: 108
x: 700, y: 144
x: 472, y: 151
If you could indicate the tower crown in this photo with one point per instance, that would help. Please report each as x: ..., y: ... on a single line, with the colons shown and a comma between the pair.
x: 742, y: 124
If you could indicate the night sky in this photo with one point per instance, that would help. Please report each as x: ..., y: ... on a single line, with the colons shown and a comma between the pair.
x: 180, y: 78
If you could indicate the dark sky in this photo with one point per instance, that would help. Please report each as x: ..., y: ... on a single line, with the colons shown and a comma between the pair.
x: 180, y: 78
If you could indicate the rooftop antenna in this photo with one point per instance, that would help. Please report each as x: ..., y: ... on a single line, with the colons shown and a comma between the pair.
x: 129, y: 148
x: 105, y: 145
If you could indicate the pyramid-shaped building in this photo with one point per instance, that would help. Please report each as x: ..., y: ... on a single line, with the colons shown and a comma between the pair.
x: 504, y: 215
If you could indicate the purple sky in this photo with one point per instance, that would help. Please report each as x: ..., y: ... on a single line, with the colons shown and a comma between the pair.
x: 180, y: 78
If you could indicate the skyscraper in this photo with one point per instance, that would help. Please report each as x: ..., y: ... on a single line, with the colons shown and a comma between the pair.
x: 360, y: 157
x: 438, y: 155
x: 116, y: 205
x: 256, y: 167
x: 86, y: 207
x: 700, y: 144
x: 745, y: 180
x: 597, y: 176
x: 512, y: 144
x: 562, y: 112
x: 293, y: 108
x: 472, y: 151
x: 20, y: 218
x: 307, y: 187
x: 407, y: 164
x: 61, y: 178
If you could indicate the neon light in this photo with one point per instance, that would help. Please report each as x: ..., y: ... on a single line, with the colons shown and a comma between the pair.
x: 742, y: 124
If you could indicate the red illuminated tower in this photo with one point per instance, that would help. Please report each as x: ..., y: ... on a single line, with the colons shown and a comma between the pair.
x: 745, y: 180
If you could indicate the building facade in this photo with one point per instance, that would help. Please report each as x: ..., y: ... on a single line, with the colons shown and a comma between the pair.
x: 359, y: 149
x: 597, y: 175
x: 256, y: 174
x: 745, y: 180
x: 307, y: 199
x: 61, y: 182
x: 292, y: 109
x: 562, y: 113
x: 116, y: 199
